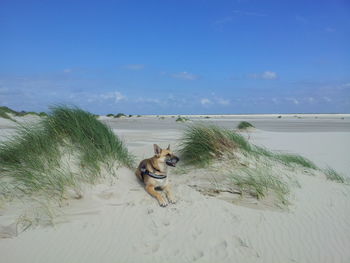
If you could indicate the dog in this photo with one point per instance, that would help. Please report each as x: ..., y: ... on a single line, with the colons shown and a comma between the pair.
x: 153, y: 173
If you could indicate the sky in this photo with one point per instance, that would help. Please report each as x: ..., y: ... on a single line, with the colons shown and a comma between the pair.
x: 176, y: 57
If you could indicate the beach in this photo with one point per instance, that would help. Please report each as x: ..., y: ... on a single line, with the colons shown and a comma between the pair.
x: 117, y: 221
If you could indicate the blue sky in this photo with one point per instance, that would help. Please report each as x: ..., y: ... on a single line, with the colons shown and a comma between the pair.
x: 176, y: 57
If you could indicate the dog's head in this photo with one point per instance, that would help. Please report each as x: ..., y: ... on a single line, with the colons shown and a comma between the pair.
x: 165, y: 155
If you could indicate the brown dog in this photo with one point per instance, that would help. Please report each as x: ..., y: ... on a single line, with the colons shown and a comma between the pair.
x: 153, y: 172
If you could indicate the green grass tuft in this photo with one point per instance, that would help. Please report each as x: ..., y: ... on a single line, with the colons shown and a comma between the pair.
x: 333, y: 175
x: 5, y: 111
x: 8, y: 110
x: 119, y: 115
x: 200, y: 144
x: 5, y: 115
x: 260, y: 182
x: 182, y: 119
x: 60, y: 151
x: 284, y: 158
x: 244, y: 125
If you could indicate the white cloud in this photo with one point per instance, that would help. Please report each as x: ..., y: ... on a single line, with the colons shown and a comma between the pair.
x: 67, y: 70
x: 327, y: 99
x: 223, y: 101
x: 205, y: 101
x: 134, y: 66
x: 265, y: 75
x: 117, y: 96
x: 148, y: 100
x: 269, y: 75
x: 293, y: 100
x: 185, y: 75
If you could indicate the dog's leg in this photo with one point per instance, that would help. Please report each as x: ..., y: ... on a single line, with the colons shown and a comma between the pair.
x: 169, y: 194
x: 150, y: 189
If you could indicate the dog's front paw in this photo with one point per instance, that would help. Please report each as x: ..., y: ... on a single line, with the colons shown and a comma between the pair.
x: 172, y: 200
x: 163, y: 202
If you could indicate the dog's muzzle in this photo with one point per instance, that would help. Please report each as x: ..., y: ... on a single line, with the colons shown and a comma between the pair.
x: 172, y: 161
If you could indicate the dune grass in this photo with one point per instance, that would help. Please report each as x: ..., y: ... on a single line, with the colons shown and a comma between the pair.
x: 119, y: 115
x: 201, y: 144
x: 333, y: 175
x: 5, y: 115
x: 243, y: 125
x: 5, y: 111
x: 8, y: 110
x: 182, y: 119
x: 63, y: 150
x: 284, y: 158
x: 259, y: 183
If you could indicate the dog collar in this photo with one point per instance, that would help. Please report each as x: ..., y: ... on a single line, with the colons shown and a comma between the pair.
x: 153, y: 175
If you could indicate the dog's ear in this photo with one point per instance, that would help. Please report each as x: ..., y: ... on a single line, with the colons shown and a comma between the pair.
x: 168, y: 147
x: 157, y: 149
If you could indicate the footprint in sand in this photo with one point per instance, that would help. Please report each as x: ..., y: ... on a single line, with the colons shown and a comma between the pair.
x: 221, y: 249
x: 166, y: 222
x: 196, y: 233
x: 105, y: 195
x: 197, y: 255
x: 8, y: 231
x: 245, y: 247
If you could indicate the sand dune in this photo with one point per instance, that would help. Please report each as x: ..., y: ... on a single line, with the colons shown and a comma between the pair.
x: 119, y: 222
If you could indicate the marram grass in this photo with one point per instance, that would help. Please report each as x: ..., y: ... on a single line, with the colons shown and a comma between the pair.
x: 61, y: 151
x: 284, y: 158
x: 333, y: 175
x: 260, y: 182
x: 202, y: 144
x: 243, y: 125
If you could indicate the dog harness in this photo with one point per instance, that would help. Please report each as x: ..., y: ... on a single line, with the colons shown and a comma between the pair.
x: 144, y: 172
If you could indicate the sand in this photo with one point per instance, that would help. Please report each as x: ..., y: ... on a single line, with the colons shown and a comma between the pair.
x: 119, y: 222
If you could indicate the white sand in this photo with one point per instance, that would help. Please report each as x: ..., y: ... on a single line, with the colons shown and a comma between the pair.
x: 121, y: 223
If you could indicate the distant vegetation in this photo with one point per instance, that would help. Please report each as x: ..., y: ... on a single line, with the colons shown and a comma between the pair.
x: 243, y: 125
x: 67, y: 148
x: 182, y: 119
x: 7, y: 113
x: 119, y: 115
